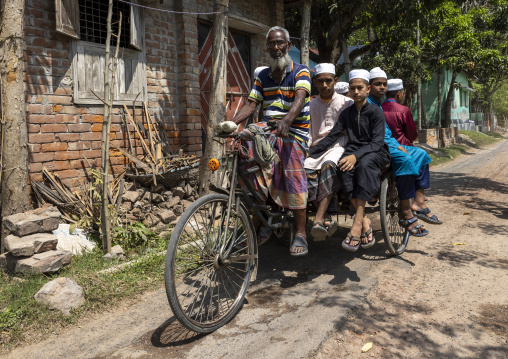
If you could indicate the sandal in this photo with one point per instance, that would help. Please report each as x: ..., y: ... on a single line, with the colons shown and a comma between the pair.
x: 417, y: 230
x: 348, y: 246
x: 299, y: 241
x: 332, y: 227
x: 264, y: 233
x: 318, y: 232
x: 422, y: 214
x: 366, y: 235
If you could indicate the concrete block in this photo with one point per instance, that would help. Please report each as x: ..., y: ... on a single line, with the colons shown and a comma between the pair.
x: 35, y: 221
x: 46, y: 262
x: 28, y: 245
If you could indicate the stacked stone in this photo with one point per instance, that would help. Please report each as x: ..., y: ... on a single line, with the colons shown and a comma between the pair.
x: 31, y: 244
x: 157, y: 206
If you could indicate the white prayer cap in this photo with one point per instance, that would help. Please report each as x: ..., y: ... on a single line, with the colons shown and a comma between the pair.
x: 377, y: 72
x: 341, y: 87
x: 325, y: 68
x: 258, y: 70
x: 359, y: 74
x: 395, y: 85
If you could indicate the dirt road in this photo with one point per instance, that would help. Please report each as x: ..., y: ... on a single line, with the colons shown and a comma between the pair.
x: 445, y: 297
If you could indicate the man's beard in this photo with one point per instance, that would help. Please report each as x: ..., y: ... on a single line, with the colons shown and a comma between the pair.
x: 280, y: 63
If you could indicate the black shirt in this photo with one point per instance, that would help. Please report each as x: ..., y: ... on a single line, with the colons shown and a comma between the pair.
x: 366, y: 132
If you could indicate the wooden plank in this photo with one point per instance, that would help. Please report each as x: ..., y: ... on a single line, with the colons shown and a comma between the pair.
x: 137, y: 27
x: 150, y: 130
x: 67, y: 18
x: 145, y: 147
x: 137, y: 161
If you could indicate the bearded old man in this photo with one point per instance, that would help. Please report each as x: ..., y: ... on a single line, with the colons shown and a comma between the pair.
x: 284, y: 91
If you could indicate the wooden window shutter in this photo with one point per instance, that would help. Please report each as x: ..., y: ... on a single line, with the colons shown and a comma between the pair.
x: 67, y: 17
x: 137, y: 27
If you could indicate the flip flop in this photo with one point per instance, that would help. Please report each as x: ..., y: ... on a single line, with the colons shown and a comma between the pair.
x: 422, y: 214
x: 299, y: 241
x: 332, y: 227
x: 318, y: 232
x: 417, y: 230
x: 368, y: 244
x: 349, y: 247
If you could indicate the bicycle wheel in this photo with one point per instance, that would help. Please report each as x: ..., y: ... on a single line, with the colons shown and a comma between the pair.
x: 395, y: 236
x: 208, y: 268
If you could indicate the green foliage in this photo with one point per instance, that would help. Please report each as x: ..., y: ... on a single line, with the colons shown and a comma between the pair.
x: 500, y: 101
x: 133, y: 236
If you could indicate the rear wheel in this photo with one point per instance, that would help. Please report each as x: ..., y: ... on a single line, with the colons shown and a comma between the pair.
x: 396, y: 237
x: 209, y: 266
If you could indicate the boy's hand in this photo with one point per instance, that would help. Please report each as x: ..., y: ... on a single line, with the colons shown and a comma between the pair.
x: 347, y: 163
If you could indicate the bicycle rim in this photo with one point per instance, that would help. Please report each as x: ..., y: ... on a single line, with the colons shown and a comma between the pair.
x: 205, y: 290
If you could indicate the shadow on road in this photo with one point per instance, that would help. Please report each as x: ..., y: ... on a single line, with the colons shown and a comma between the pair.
x: 171, y: 334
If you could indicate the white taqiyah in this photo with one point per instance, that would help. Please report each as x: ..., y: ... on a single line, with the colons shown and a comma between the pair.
x: 326, y: 68
x: 341, y: 87
x: 377, y: 72
x: 359, y: 74
x: 395, y: 85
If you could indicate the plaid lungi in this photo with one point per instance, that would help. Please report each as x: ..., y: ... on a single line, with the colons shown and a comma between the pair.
x: 285, y: 181
x: 322, y: 183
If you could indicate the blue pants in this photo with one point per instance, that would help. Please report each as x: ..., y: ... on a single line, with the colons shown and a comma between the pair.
x: 408, y: 184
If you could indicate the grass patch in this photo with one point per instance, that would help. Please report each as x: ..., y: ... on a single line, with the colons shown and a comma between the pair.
x: 447, y: 154
x: 23, y: 319
x: 481, y: 139
x: 494, y: 134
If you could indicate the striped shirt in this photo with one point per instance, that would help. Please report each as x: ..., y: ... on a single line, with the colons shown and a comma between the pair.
x: 277, y: 99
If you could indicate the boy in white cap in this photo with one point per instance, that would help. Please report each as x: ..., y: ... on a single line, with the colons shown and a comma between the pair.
x: 322, y: 178
x: 399, y: 117
x: 410, y: 167
x: 364, y: 156
x: 342, y: 88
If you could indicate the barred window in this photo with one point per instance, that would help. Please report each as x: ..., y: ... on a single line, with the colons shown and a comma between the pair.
x: 93, y: 18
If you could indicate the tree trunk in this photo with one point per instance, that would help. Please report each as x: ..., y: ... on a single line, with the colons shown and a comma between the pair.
x: 345, y: 56
x: 14, y: 165
x: 439, y: 108
x: 449, y: 99
x: 217, y: 101
x: 105, y: 227
x: 304, y: 33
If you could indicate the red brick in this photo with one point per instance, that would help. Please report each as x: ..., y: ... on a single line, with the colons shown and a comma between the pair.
x: 63, y: 91
x: 35, y: 108
x: 41, y: 119
x: 91, y: 153
x: 82, y: 145
x: 67, y: 137
x: 67, y: 155
x: 91, y: 118
x: 57, y: 165
x: 33, y: 128
x: 91, y: 136
x: 34, y: 148
x: 96, y: 145
x: 54, y: 128
x: 97, y: 127
x: 57, y: 146
x: 66, y: 119
x: 36, y: 177
x: 80, y: 127
x: 79, y: 163
x: 41, y: 137
x: 64, y: 100
x: 37, y: 89
x: 67, y: 173
x: 42, y: 157
x: 35, y: 166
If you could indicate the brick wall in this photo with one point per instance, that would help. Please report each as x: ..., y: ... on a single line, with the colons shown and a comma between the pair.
x: 448, y: 136
x: 61, y: 133
x: 429, y: 137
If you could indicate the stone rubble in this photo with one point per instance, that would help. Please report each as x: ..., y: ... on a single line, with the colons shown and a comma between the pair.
x: 61, y: 294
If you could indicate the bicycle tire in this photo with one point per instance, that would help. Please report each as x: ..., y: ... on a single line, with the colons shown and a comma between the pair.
x: 396, y: 237
x: 193, y: 259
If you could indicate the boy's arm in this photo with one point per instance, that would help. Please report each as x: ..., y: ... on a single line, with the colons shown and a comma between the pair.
x: 378, y: 136
x: 329, y: 140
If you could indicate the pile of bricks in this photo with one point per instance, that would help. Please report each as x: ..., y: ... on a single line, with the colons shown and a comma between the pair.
x: 32, y: 245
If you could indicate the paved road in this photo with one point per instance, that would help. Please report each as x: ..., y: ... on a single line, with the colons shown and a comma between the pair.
x: 295, y: 305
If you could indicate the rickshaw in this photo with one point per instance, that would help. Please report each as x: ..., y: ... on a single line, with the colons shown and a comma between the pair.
x: 212, y: 253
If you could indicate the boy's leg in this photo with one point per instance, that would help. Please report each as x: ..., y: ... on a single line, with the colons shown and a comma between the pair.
x: 406, y: 191
x: 299, y: 222
x: 356, y: 228
x: 422, y: 182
